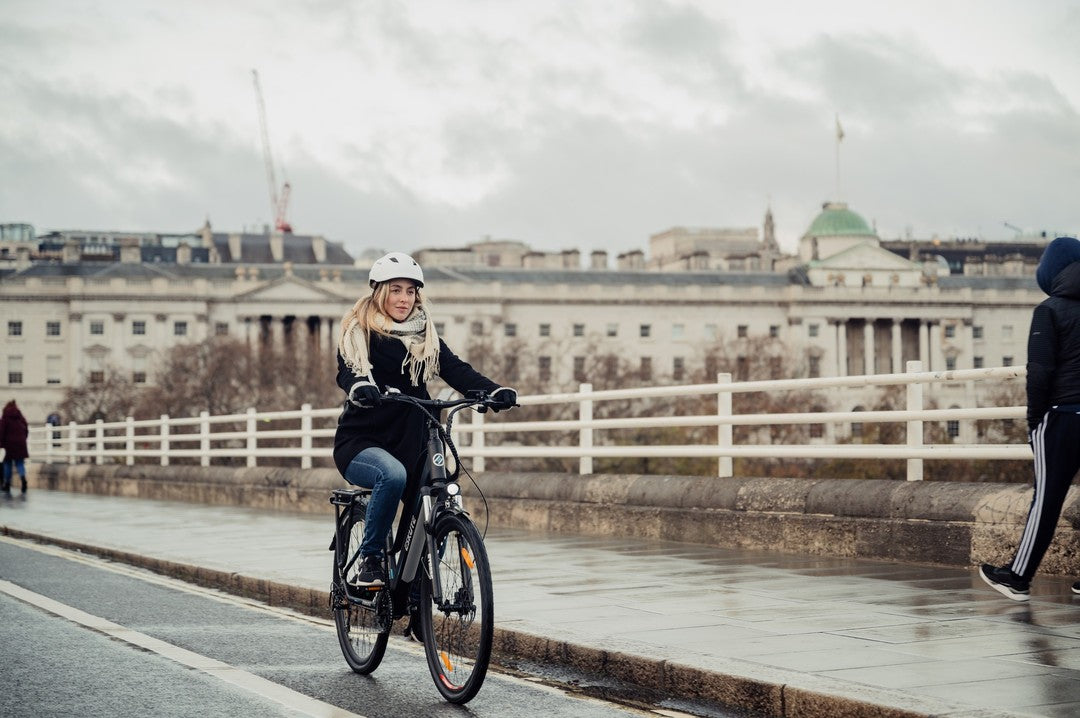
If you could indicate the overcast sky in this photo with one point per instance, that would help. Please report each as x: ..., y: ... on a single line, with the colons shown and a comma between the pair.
x: 564, y: 124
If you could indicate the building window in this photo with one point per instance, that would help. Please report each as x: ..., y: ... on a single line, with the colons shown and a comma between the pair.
x: 742, y: 369
x: 179, y: 329
x: 97, y: 376
x: 1006, y: 331
x: 677, y: 331
x: 678, y: 368
x: 579, y: 330
x: 977, y: 362
x: 138, y: 328
x: 221, y: 329
x: 52, y: 369
x: 813, y: 329
x: 138, y: 377
x: 15, y: 370
x: 774, y: 331
x: 52, y: 329
x: 1006, y: 361
x: 977, y: 332
x: 646, y: 330
x: 950, y: 363
x: 545, y: 330
x: 440, y: 328
x: 138, y: 374
x: 741, y: 331
x: 950, y: 331
x: 476, y: 329
x: 646, y: 368
x: 952, y: 426
x: 815, y: 367
x: 544, y: 367
x: 510, y: 330
x: 14, y: 329
x: 579, y: 368
x: 613, y: 330
x: 97, y: 328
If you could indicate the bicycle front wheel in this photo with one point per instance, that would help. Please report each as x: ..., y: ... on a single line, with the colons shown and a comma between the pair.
x: 457, y: 627
x: 362, y: 628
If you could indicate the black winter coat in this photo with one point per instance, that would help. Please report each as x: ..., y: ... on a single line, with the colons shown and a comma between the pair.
x: 13, y: 433
x: 397, y: 428
x: 1053, y: 368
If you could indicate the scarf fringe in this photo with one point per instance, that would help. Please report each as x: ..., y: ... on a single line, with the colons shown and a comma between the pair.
x: 418, y: 335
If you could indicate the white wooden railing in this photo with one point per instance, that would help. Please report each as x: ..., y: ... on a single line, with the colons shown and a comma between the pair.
x: 204, y: 438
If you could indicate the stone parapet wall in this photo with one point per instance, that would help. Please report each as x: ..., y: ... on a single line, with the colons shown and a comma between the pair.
x: 926, y: 522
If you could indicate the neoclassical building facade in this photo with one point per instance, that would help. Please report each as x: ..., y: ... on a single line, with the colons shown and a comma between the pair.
x: 844, y: 305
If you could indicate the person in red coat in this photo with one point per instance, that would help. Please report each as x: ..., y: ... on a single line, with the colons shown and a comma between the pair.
x: 13, y: 433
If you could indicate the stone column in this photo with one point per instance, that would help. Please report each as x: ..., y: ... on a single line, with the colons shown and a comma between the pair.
x: 897, y: 347
x: 868, y: 347
x: 924, y: 344
x: 324, y: 335
x: 277, y: 332
x: 841, y: 346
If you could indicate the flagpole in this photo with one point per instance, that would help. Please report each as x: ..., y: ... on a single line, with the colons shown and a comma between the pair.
x: 839, y: 136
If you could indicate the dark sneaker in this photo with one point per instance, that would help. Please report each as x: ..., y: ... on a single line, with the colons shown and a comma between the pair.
x: 371, y: 573
x: 1005, y: 582
x: 1076, y: 587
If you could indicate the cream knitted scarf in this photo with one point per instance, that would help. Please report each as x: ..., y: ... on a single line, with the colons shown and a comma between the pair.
x: 418, y: 335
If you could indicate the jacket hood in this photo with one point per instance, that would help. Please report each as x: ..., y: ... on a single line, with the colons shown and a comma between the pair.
x: 1067, y: 282
x: 1058, y: 255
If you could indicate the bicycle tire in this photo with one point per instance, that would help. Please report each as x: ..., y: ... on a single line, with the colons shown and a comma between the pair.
x: 457, y: 635
x: 362, y: 631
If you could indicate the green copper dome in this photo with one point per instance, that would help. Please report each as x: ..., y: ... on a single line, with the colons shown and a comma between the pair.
x: 836, y: 220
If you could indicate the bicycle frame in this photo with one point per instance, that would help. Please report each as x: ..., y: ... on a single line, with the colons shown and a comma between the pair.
x: 434, y: 499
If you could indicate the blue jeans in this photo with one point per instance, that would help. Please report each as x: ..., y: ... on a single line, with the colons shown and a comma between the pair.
x: 19, y: 466
x: 376, y: 469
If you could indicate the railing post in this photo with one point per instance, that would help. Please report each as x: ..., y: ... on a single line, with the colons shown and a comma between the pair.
x: 305, y: 436
x: 129, y: 432
x: 204, y: 438
x: 478, y: 441
x: 251, y: 441
x: 99, y: 442
x: 164, y: 439
x: 73, y: 439
x: 585, y: 434
x: 724, y: 433
x: 914, y: 428
x: 48, y: 443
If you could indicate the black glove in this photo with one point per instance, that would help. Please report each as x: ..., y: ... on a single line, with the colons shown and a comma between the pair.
x: 503, y: 398
x: 365, y: 395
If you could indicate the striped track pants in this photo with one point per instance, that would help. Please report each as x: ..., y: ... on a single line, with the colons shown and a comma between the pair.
x: 1056, y: 442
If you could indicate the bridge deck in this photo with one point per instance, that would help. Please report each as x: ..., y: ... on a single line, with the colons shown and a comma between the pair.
x: 926, y: 639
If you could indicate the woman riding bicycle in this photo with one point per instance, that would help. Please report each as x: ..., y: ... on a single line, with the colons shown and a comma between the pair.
x: 388, y: 340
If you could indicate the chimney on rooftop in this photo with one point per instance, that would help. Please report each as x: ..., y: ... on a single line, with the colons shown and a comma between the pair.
x: 277, y: 246
x: 598, y: 259
x: 183, y: 253
x: 71, y: 252
x: 234, y: 247
x: 129, y: 250
x: 318, y: 248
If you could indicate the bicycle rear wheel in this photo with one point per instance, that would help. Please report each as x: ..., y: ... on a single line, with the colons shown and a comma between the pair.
x: 362, y: 628
x: 457, y: 631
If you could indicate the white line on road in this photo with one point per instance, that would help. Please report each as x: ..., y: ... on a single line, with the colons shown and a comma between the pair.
x: 230, y: 674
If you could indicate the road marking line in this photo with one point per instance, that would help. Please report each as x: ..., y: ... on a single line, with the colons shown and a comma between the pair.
x: 250, y: 682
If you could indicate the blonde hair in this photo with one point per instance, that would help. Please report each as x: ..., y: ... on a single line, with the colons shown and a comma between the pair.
x: 367, y: 316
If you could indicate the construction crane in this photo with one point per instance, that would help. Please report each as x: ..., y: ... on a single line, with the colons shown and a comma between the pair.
x: 279, y: 204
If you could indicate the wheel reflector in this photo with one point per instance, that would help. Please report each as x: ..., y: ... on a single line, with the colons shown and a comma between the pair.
x: 468, y: 557
x: 446, y: 660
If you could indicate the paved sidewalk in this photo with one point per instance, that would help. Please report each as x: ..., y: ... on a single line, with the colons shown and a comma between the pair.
x: 923, y: 639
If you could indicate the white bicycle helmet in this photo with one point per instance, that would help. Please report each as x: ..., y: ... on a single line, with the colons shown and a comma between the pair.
x: 395, y: 265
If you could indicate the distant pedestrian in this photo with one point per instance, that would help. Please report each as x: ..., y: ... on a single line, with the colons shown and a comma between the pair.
x: 13, y: 433
x: 1053, y: 413
x: 53, y: 419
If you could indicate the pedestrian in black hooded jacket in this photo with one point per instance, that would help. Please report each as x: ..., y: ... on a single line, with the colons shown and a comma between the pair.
x: 1053, y: 413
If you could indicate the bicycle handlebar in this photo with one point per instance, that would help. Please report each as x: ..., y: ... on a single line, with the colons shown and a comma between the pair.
x: 472, y: 398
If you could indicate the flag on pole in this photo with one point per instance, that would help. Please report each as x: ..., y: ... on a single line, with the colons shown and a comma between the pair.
x: 839, y: 129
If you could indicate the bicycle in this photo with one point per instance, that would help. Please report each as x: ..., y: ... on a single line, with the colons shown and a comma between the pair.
x: 436, y: 543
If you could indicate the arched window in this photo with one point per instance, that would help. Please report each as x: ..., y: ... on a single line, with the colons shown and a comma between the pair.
x: 952, y: 426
